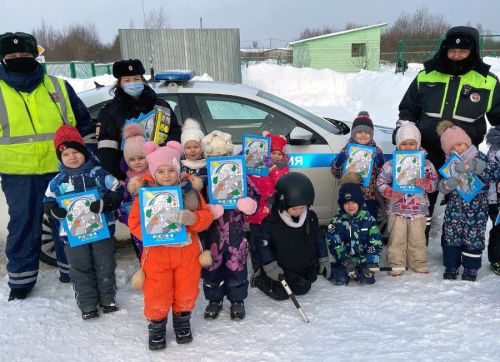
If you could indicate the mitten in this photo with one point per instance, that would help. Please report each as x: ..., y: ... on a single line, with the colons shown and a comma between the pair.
x: 366, y: 269
x: 325, y: 268
x: 216, y: 210
x: 246, y: 205
x: 392, y: 194
x: 424, y: 184
x: 52, y: 209
x: 339, y: 161
x: 274, y: 271
x: 206, y: 259
x: 109, y: 202
x: 268, y: 161
x: 463, y: 166
x: 185, y: 217
x: 350, y: 268
x: 479, y: 166
x: 378, y: 159
x: 447, y: 186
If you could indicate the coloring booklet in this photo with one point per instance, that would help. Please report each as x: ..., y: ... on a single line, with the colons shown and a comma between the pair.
x: 155, y: 204
x: 407, y: 167
x: 255, y: 149
x: 469, y: 184
x: 156, y: 125
x: 81, y: 225
x: 226, y: 180
x: 360, y: 161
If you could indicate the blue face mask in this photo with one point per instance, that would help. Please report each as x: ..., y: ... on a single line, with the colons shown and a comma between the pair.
x: 133, y: 89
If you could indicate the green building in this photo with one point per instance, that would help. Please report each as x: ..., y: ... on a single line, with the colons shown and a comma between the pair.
x: 344, y: 51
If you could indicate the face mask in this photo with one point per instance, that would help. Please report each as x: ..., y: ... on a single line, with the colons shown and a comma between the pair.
x: 21, y: 65
x: 134, y: 89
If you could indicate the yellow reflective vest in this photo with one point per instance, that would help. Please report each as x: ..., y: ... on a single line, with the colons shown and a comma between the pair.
x: 28, y: 122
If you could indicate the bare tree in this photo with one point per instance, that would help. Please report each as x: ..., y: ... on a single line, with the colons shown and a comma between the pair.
x: 157, y: 19
x: 350, y: 25
x: 312, y: 32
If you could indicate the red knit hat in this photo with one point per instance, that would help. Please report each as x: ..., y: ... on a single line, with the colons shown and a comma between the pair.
x: 69, y: 137
x: 278, y: 142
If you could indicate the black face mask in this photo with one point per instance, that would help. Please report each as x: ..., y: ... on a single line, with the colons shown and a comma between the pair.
x: 21, y: 65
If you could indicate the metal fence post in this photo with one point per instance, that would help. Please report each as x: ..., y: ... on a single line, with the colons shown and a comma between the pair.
x: 92, y: 67
x: 72, y: 68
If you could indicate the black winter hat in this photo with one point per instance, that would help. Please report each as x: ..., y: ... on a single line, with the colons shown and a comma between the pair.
x: 351, y: 192
x: 293, y: 189
x: 362, y: 123
x: 17, y: 42
x: 124, y: 68
x: 459, y: 41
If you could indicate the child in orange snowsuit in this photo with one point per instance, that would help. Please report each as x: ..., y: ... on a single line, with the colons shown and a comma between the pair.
x: 171, y: 273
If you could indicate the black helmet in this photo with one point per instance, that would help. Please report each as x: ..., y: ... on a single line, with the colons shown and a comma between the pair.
x: 293, y: 189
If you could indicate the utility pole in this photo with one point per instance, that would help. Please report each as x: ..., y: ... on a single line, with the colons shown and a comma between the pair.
x: 270, y: 44
x: 144, y: 14
x: 201, y: 22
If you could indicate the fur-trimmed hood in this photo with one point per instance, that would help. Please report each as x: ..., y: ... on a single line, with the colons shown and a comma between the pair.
x: 493, y: 138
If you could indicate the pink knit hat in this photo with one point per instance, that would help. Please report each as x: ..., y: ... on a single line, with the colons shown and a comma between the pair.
x: 451, y: 135
x: 157, y: 156
x: 133, y: 135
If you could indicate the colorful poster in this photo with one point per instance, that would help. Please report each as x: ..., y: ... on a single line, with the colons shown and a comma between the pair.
x: 81, y: 225
x: 408, y: 166
x: 255, y: 149
x: 469, y: 184
x: 360, y: 161
x: 156, y: 125
x: 157, y: 205
x: 226, y: 180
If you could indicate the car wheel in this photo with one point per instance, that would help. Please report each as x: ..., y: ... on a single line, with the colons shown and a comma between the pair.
x: 48, y: 253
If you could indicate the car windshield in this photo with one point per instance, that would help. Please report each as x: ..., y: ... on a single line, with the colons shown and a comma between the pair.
x: 301, y: 111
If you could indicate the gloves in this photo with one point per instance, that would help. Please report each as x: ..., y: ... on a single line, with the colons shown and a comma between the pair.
x: 476, y: 166
x: 325, y: 268
x: 109, y: 202
x: 447, y: 186
x: 392, y: 194
x: 246, y: 205
x: 341, y: 158
x: 424, y: 184
x: 366, y: 269
x: 350, y: 268
x: 185, y: 217
x: 52, y: 209
x: 268, y: 161
x: 274, y: 271
x: 205, y: 259
x: 216, y: 210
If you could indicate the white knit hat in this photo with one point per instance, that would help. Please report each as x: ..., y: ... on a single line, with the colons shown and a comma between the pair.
x: 217, y: 143
x: 408, y: 131
x: 191, y: 131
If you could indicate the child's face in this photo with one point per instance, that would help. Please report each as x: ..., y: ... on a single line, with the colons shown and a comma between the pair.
x: 408, y: 145
x: 277, y: 156
x: 362, y: 138
x: 71, y: 158
x: 137, y: 163
x: 193, y: 150
x: 351, y: 207
x: 296, y: 210
x: 459, y: 148
x: 166, y: 176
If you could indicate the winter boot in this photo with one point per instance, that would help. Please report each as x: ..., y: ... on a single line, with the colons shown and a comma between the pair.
x: 495, y: 268
x: 450, y: 273
x: 469, y: 274
x: 18, y: 293
x: 237, y: 310
x: 213, y: 309
x: 109, y: 306
x: 157, y: 334
x: 89, y: 313
x: 182, y: 327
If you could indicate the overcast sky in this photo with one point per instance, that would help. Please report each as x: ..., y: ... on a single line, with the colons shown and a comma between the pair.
x: 258, y: 20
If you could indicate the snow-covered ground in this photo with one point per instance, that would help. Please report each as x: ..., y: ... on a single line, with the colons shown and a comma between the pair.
x: 413, y: 317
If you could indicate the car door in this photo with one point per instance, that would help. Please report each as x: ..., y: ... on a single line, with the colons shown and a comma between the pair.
x: 237, y: 116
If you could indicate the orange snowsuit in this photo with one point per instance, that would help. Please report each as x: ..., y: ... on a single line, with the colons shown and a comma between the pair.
x: 172, y: 273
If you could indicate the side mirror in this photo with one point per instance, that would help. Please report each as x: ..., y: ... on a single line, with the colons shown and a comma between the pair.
x: 343, y: 128
x: 300, y: 136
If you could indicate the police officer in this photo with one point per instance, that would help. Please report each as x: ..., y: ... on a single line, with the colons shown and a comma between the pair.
x: 133, y: 98
x: 32, y: 107
x: 455, y: 85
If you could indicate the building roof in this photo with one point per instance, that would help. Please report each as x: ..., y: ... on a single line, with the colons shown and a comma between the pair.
x: 338, y: 33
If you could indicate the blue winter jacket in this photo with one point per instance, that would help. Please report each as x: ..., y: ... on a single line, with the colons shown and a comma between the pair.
x: 356, y: 237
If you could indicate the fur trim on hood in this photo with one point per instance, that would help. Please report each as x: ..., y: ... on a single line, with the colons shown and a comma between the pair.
x: 493, y: 138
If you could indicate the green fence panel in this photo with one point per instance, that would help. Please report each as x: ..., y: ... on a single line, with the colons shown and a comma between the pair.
x: 82, y: 70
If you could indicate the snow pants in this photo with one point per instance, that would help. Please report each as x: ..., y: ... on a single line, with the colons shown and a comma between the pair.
x: 407, y: 243
x: 24, y: 195
x: 275, y: 290
x: 494, y: 240
x: 454, y: 256
x: 172, y: 278
x: 92, y: 272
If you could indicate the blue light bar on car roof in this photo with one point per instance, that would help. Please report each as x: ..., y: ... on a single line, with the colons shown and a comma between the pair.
x: 175, y: 75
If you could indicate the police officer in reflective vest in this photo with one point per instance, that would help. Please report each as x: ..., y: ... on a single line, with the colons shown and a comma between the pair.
x: 32, y: 107
x: 455, y: 85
